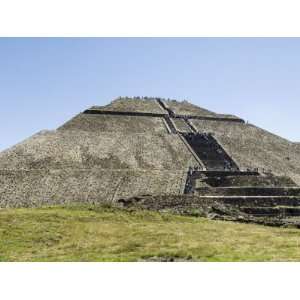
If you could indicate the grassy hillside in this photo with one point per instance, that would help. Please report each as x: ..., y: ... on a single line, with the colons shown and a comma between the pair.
x: 106, y: 234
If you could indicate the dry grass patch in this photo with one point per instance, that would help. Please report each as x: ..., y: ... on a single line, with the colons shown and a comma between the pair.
x: 83, y: 233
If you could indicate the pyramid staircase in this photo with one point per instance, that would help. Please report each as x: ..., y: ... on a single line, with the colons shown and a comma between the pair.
x: 210, y: 152
x: 252, y: 193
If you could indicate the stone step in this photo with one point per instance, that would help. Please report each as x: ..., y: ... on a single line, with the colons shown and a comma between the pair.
x: 281, y: 212
x: 255, y: 201
x: 248, y: 191
x: 209, y: 173
x: 236, y: 180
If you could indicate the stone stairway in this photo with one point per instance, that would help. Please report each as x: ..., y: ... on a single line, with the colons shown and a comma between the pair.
x: 256, y: 201
x: 253, y: 194
x: 235, y: 180
x: 273, y: 212
x: 190, y: 125
x: 248, y: 191
x: 170, y: 124
x: 210, y: 152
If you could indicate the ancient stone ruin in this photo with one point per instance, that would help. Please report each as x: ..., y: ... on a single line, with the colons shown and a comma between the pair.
x: 175, y: 152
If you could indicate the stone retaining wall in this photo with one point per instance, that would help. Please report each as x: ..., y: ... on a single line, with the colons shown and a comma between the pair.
x: 49, y: 187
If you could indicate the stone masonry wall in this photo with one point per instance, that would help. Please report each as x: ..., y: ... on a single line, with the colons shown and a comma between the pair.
x: 60, y: 186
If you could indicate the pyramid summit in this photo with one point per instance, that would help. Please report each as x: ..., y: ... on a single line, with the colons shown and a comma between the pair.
x: 148, y: 146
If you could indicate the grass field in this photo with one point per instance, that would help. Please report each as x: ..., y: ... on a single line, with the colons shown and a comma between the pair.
x: 82, y: 233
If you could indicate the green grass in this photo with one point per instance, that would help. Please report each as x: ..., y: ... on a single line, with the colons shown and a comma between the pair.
x: 82, y: 233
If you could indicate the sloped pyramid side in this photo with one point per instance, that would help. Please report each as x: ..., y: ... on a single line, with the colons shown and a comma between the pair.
x: 297, y: 145
x: 252, y: 147
x: 188, y: 109
x: 126, y: 104
x: 94, y: 158
x: 84, y: 150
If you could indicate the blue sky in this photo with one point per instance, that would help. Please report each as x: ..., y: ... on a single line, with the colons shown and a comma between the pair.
x: 44, y: 82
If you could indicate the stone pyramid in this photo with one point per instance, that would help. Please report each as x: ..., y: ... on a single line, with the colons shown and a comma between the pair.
x: 148, y: 146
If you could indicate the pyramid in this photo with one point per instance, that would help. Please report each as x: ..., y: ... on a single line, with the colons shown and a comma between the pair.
x: 150, y: 146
